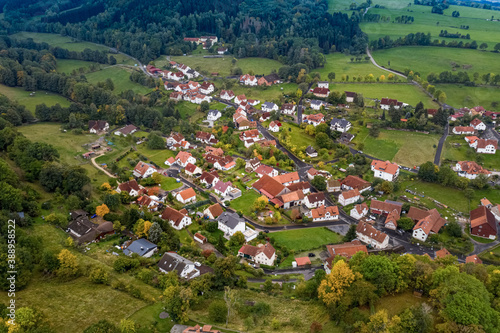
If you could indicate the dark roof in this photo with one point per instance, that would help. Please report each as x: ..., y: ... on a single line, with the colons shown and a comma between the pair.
x: 310, y: 150
x: 98, y: 125
x: 269, y: 105
x: 86, y: 229
x: 346, y: 136
x: 340, y: 122
x: 316, y: 197
x: 229, y: 219
x: 172, y: 261
x: 350, y: 94
x: 272, y: 77
x: 140, y: 246
x: 316, y: 102
x: 78, y: 213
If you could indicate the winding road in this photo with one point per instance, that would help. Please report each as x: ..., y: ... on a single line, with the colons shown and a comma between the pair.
x: 381, y: 67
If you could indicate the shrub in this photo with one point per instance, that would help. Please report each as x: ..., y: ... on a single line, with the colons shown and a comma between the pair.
x: 217, y: 311
x: 98, y: 275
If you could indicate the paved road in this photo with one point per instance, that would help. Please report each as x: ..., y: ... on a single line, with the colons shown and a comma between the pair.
x: 437, y: 157
x: 383, y: 68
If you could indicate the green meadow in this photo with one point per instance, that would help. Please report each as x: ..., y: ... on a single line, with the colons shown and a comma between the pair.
x: 60, y: 41
x: 120, y: 77
x: 23, y: 97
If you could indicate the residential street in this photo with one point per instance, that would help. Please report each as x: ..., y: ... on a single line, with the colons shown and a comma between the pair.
x: 437, y: 157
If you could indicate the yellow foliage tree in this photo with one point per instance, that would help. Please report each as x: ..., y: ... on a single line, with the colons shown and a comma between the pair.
x: 105, y: 187
x: 332, y: 289
x: 260, y: 203
x: 142, y: 228
x: 156, y: 177
x: 102, y: 210
x: 68, y: 264
x: 382, y: 78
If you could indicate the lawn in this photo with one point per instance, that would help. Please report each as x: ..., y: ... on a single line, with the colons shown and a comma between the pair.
x: 298, y: 137
x: 245, y: 202
x: 68, y: 65
x: 23, y: 97
x: 60, y: 41
x: 306, y: 239
x: 169, y: 184
x: 149, y: 319
x: 339, y: 64
x: 404, y: 92
x: 158, y: 156
x: 451, y: 197
x: 460, y: 96
x: 266, y: 94
x: 260, y: 66
x: 405, y: 148
x: 492, y: 255
x: 438, y: 59
x: 120, y: 78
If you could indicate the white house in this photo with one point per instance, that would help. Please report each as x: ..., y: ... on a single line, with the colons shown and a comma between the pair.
x: 131, y: 187
x: 478, y: 125
x: 269, y: 107
x: 288, y: 109
x: 186, y: 196
x: 178, y: 219
x: 124, y: 131
x: 230, y: 223
x: 323, y: 213
x: 192, y: 169
x: 463, y: 130
x: 263, y: 254
x: 240, y: 99
x: 144, y: 170
x: 340, y: 125
x: 349, y: 96
x: 207, y: 88
x: 349, y: 197
x: 248, y: 80
x: 142, y: 247
x: 183, y: 158
x: 274, y: 126
x: 96, y: 126
x: 486, y: 146
x: 359, y: 211
x: 315, y: 200
x: 266, y: 170
x: 368, y: 234
x: 428, y: 225
x: 172, y: 262
x: 316, y: 105
x: 324, y: 84
x: 227, y: 95
x: 214, y: 115
x: 209, y: 178
x: 470, y: 169
x: 311, y: 152
x: 213, y: 212
x: 385, y: 170
x: 223, y: 188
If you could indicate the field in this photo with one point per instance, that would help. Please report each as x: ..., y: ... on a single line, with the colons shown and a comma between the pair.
x: 266, y: 94
x: 58, y: 40
x: 23, y: 97
x: 437, y: 60
x: 339, y: 64
x: 245, y: 202
x: 406, y: 93
x: 120, y: 78
x: 260, y: 66
x: 306, y: 239
x: 68, y: 65
x: 405, y: 148
x: 461, y: 96
x: 298, y: 137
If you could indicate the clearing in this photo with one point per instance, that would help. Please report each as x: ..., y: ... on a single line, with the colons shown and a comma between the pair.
x: 120, y: 78
x: 64, y: 42
x: 306, y: 239
x: 68, y: 65
x: 339, y: 64
x: 23, y: 97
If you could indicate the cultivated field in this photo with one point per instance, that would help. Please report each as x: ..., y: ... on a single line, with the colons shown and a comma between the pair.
x: 23, y: 97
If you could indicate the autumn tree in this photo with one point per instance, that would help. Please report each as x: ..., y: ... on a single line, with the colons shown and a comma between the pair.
x: 128, y: 326
x: 156, y: 177
x: 260, y: 203
x: 332, y: 289
x: 102, y: 210
x: 142, y: 228
x: 68, y: 264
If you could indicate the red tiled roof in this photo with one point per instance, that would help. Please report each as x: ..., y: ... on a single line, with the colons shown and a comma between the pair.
x: 173, y: 215
x: 302, y: 261
x: 321, y: 211
x: 442, y: 253
x: 288, y: 177
x: 474, y: 259
x: 187, y: 193
x: 355, y: 182
x: 346, y: 250
x: 387, y: 167
x: 268, y: 186
x: 350, y: 194
x: 369, y: 231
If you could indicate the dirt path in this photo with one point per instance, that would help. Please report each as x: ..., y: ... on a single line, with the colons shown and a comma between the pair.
x: 101, y: 168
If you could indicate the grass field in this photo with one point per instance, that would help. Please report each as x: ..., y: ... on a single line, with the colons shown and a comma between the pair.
x: 68, y: 65
x: 339, y: 64
x: 306, y: 239
x: 245, y: 202
x: 23, y: 97
x: 406, y: 93
x: 58, y: 40
x: 298, y: 137
x: 120, y: 77
x: 267, y: 94
x: 461, y: 96
x: 260, y: 66
x: 405, y: 148
x: 169, y: 184
x: 149, y: 320
x: 437, y: 59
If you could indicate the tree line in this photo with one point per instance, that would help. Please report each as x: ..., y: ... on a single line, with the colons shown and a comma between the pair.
x: 419, y: 38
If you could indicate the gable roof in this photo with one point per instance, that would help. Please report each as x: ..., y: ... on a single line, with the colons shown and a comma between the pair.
x: 321, y: 91
x: 361, y: 207
x: 142, y: 167
x: 97, y: 125
x: 291, y: 196
x: 472, y: 168
x: 346, y: 250
x: 387, y: 167
x: 385, y: 206
x: 463, y: 129
x: 222, y: 186
x: 417, y: 214
x: 475, y: 122
x: 369, y: 231
x: 355, y: 182
x: 302, y: 261
x: 129, y: 186
x: 268, y: 186
x: 474, y: 259
x: 482, y: 143
x: 251, y: 250
x: 442, y: 253
x: 215, y: 210
x: 432, y: 222
x: 264, y: 170
x: 310, y: 150
x: 183, y: 156
x: 288, y: 177
x: 393, y: 217
x: 209, y: 176
x: 173, y: 215
x: 140, y: 246
x: 299, y: 186
x: 340, y: 122
x: 190, y: 167
x: 231, y: 220
x: 187, y: 193
x: 482, y: 216
x: 316, y: 197
x: 321, y: 211
x: 350, y: 194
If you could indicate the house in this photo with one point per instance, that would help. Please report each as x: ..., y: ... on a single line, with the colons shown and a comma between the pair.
x: 305, y: 187
x: 178, y: 219
x: 470, y: 169
x: 312, y: 172
x: 315, y: 200
x: 172, y: 262
x: 207, y: 88
x: 213, y: 115
x: 268, y: 80
x: 204, y: 137
x: 385, y: 170
x: 473, y: 259
x: 214, y: 151
x: 274, y: 126
x: 316, y: 105
x: 391, y: 222
x: 144, y: 170
x: 349, y: 197
x: 472, y: 141
x: 214, y: 211
x: 192, y: 169
x: 221, y: 50
x: 200, y: 329
x: 288, y: 178
x: 385, y: 104
x: 131, y: 187
x: 323, y: 84
x: 124, y: 131
x: 478, y: 125
x: 482, y: 223
x: 224, y: 163
x: 311, y: 152
x: 288, y: 109
x: 486, y: 203
x: 314, y: 119
x: 176, y: 96
x: 222, y: 188
x: 263, y: 254
x: 430, y: 224
x: 97, y: 126
x: 301, y: 262
x: 183, y: 158
x: 170, y: 85
x: 142, y: 247
x: 486, y: 146
x: 230, y: 223
x: 350, y: 96
x: 150, y: 202
x: 456, y: 116
x: 352, y: 182
x: 82, y: 229
x: 323, y: 213
x: 265, y: 116
x: 359, y: 211
x: 240, y: 99
x: 346, y: 137
x: 175, y: 139
x: 227, y: 95
x: 440, y: 254
x: 248, y: 80
x: 269, y: 107
x: 346, y: 250
x: 186, y: 196
x: 266, y: 170
x: 288, y: 200
x: 252, y: 164
x: 340, y: 125
x: 368, y: 234
x: 463, y: 130
x: 385, y: 207
x: 333, y: 185
x: 321, y: 92
x: 495, y: 210
x: 416, y: 214
x: 269, y: 187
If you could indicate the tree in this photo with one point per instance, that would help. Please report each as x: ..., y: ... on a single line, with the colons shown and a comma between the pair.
x: 217, y: 311
x: 142, y: 228
x: 102, y: 326
x: 112, y: 201
x: 381, y: 271
x: 483, y: 46
x: 497, y: 47
x: 260, y: 203
x: 332, y: 289
x: 323, y: 141
x: 351, y: 234
x: 428, y: 172
x: 102, y: 210
x: 319, y: 183
x: 406, y: 223
x: 240, y: 163
x: 454, y: 229
x: 127, y: 326
x: 68, y: 264
x: 98, y: 275
x: 238, y: 239
x: 177, y: 302
x: 310, y: 130
x: 225, y: 272
x: 230, y: 300
x: 154, y: 233
x: 155, y: 141
x: 331, y: 76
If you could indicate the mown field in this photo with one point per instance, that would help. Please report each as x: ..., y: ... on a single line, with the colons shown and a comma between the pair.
x: 405, y: 148
x: 68, y: 65
x: 406, y: 93
x: 58, y: 40
x: 340, y: 64
x: 23, y: 97
x: 461, y: 96
x: 120, y: 78
x: 265, y: 94
x: 306, y: 239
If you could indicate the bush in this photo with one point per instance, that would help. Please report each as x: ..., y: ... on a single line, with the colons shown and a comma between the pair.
x: 217, y: 311
x: 98, y: 275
